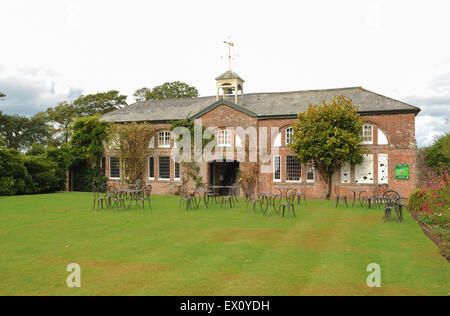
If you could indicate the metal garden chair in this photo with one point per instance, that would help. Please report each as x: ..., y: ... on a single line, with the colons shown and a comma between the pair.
x: 392, y: 202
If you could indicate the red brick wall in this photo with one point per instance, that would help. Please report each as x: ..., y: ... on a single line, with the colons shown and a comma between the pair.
x: 399, y: 130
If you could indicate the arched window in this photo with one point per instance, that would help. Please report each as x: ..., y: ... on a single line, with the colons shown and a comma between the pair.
x: 277, y: 141
x: 164, y: 139
x: 238, y: 141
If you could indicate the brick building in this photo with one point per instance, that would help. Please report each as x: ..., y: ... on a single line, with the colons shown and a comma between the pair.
x: 389, y: 135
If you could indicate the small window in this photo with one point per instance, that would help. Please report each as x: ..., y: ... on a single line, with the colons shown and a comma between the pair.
x: 114, y: 167
x: 310, y: 172
x: 367, y: 134
x: 164, y: 168
x: 164, y: 139
x: 224, y: 138
x: 293, y: 169
x: 103, y: 165
x: 176, y: 170
x: 289, y: 133
x: 151, y: 168
x: 277, y: 168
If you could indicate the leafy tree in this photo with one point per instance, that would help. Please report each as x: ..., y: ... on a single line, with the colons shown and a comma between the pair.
x: 329, y: 135
x: 142, y: 94
x: 20, y: 132
x: 168, y: 90
x: 99, y: 103
x: 62, y: 116
x: 36, y: 150
x: 2, y: 95
x: 88, y: 137
x: 132, y: 145
x: 438, y: 154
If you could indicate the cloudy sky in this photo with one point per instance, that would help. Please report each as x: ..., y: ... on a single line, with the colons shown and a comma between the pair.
x: 52, y: 51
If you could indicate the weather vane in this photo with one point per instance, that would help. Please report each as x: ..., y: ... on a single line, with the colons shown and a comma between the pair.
x: 230, y: 44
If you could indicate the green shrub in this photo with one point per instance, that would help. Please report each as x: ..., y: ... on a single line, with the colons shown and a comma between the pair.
x: 44, y: 174
x: 417, y: 200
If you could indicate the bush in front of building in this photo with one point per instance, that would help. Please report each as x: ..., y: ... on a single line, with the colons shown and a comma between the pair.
x: 432, y: 207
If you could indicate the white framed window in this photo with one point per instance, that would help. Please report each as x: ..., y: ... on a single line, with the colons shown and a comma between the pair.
x: 289, y: 133
x: 151, y: 168
x: 364, y: 171
x: 176, y: 170
x: 164, y: 168
x: 224, y: 138
x: 114, y: 167
x: 367, y: 134
x: 277, y: 168
x: 383, y: 168
x: 310, y: 172
x: 293, y: 169
x: 164, y: 139
x: 345, y: 172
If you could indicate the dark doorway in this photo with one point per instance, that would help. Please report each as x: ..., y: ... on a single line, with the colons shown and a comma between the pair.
x: 223, y: 173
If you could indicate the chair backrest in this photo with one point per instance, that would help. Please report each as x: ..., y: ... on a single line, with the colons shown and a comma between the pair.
x: 383, y: 188
x: 183, y: 190
x: 391, y: 198
x: 138, y: 184
x: 148, y: 190
x: 291, y: 194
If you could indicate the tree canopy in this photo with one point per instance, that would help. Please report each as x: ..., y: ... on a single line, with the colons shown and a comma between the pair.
x: 62, y: 116
x: 168, y: 90
x: 99, y: 103
x: 2, y: 95
x: 438, y: 154
x: 328, y: 135
x: 20, y: 132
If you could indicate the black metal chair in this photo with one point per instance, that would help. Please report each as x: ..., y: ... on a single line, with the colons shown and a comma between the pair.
x: 117, y: 198
x: 301, y: 195
x: 100, y: 197
x: 289, y: 204
x: 227, y: 199
x: 339, y: 196
x: 374, y: 198
x: 187, y: 199
x: 146, y: 196
x: 392, y: 202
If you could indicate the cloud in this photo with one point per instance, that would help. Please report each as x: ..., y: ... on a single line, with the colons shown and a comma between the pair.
x: 435, y: 115
x: 30, y: 90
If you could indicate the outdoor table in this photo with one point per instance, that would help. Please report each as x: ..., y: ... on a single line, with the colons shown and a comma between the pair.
x: 269, y: 198
x: 284, y: 191
x: 134, y: 195
x: 359, y: 196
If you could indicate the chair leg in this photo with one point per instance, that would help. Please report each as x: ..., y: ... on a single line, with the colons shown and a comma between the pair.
x: 293, y: 210
x: 337, y: 201
x: 345, y: 199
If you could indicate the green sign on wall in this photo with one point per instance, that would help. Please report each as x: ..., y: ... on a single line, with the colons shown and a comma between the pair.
x: 402, y: 172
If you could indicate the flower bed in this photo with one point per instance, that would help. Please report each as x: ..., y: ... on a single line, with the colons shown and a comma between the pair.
x: 430, y: 206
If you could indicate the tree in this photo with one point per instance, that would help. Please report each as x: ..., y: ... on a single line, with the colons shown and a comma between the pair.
x: 132, y: 145
x: 89, y: 134
x: 99, y: 103
x: 2, y: 95
x: 329, y: 135
x: 20, y: 132
x: 62, y: 116
x: 168, y: 90
x: 142, y: 94
x: 438, y: 154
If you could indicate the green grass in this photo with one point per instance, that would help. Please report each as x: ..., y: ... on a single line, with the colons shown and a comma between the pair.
x: 166, y: 251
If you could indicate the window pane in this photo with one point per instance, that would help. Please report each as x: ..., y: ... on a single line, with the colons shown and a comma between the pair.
x: 164, y: 167
x: 151, y: 167
x: 276, y: 168
x: 293, y: 169
x: 310, y: 172
x: 289, y: 132
x: 114, y: 167
x: 164, y: 139
x: 177, y: 170
x: 367, y: 133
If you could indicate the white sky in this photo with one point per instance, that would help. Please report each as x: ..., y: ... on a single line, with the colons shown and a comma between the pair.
x: 54, y: 50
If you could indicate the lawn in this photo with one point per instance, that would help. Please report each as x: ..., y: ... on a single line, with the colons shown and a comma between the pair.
x: 167, y: 251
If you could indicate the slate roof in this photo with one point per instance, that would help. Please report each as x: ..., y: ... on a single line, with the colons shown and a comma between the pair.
x: 261, y: 105
x: 229, y: 75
